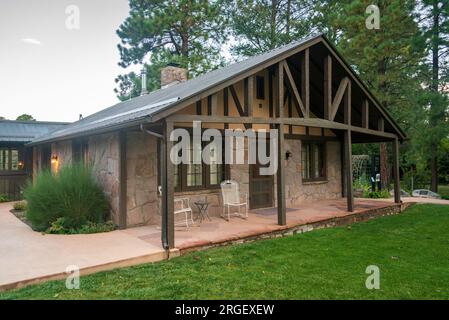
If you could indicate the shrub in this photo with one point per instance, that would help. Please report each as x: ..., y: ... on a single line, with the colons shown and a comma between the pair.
x: 20, y: 206
x: 72, y: 194
x: 3, y: 198
x: 58, y: 227
x: 382, y: 194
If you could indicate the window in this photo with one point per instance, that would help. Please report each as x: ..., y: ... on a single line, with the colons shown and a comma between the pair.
x: 313, y: 162
x: 260, y: 88
x: 80, y: 151
x: 10, y: 160
x: 192, y: 176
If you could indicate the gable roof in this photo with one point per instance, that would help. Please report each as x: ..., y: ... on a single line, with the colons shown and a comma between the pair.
x: 142, y: 109
x: 25, y: 131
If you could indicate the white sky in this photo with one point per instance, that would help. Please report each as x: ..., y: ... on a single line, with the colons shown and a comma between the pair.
x: 54, y: 73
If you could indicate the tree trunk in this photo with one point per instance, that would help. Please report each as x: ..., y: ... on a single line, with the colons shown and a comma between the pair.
x: 435, y: 82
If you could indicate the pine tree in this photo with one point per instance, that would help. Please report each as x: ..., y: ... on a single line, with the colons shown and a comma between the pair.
x: 187, y: 32
x: 261, y: 25
x: 434, y: 19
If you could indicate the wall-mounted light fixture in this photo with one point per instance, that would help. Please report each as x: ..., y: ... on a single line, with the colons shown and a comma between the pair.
x: 20, y: 164
x: 288, y: 154
x: 54, y: 159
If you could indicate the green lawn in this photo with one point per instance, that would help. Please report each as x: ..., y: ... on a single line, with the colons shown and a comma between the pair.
x: 411, y: 250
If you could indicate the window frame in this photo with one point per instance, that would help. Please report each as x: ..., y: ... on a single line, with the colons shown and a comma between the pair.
x: 205, y: 173
x: 7, y: 153
x: 312, y: 160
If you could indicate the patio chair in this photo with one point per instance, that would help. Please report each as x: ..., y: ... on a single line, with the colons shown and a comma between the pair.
x: 182, y: 207
x: 232, y: 198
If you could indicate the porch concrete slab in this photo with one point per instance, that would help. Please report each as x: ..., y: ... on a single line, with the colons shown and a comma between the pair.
x: 28, y: 256
x: 259, y: 222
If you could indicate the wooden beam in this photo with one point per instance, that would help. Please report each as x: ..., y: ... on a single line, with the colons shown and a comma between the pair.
x: 209, y: 105
x: 270, y: 94
x: 198, y: 107
x: 365, y: 114
x: 348, y: 169
x: 293, y: 88
x: 310, y: 122
x: 305, y: 82
x: 327, y: 87
x: 226, y: 102
x: 249, y: 96
x: 280, y: 177
x: 397, y: 182
x: 122, y: 180
x: 169, y: 190
x: 338, y: 97
x: 381, y: 125
x: 237, y: 103
x: 348, y: 104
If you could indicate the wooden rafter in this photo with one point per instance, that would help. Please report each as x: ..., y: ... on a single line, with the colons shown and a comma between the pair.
x: 294, y: 89
x: 338, y: 97
x: 236, y: 100
x: 305, y: 81
x: 327, y: 87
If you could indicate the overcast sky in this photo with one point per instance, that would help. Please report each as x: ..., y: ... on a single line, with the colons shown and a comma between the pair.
x: 54, y: 73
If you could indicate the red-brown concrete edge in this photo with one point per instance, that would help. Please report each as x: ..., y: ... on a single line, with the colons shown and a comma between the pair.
x: 294, y: 228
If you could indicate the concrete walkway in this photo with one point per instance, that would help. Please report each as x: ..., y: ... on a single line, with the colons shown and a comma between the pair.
x: 416, y: 200
x: 29, y: 257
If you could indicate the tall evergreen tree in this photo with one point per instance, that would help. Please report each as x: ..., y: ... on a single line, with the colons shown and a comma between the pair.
x: 261, y: 25
x: 434, y: 20
x: 187, y: 32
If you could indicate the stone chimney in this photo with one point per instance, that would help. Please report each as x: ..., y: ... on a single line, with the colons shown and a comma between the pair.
x: 172, y: 74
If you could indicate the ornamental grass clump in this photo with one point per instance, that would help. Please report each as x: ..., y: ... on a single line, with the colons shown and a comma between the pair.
x: 72, y: 194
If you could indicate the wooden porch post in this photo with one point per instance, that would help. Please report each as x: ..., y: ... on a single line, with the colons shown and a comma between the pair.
x: 122, y: 180
x: 348, y: 169
x: 348, y: 148
x: 167, y: 172
x: 397, y: 185
x: 280, y: 176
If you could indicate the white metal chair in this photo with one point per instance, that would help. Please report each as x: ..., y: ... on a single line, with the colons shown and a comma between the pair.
x: 232, y: 198
x: 182, y: 207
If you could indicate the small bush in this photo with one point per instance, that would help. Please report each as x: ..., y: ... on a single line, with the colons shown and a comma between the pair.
x: 382, y: 194
x: 72, y: 194
x: 3, y: 198
x: 59, y: 227
x: 20, y: 206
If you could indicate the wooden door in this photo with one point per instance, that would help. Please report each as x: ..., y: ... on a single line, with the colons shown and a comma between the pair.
x: 260, y: 188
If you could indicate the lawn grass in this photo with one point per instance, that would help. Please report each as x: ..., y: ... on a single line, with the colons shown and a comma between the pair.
x: 411, y: 250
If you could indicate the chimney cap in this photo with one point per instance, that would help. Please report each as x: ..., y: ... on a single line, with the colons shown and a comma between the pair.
x: 173, y: 64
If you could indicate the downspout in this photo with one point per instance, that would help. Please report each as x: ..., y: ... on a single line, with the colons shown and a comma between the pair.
x: 162, y: 172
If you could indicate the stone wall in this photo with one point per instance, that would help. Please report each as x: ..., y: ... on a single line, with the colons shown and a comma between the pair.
x: 298, y: 191
x: 143, y: 202
x: 62, y: 150
x: 103, y: 157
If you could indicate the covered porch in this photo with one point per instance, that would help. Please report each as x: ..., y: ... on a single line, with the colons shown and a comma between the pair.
x: 263, y: 223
